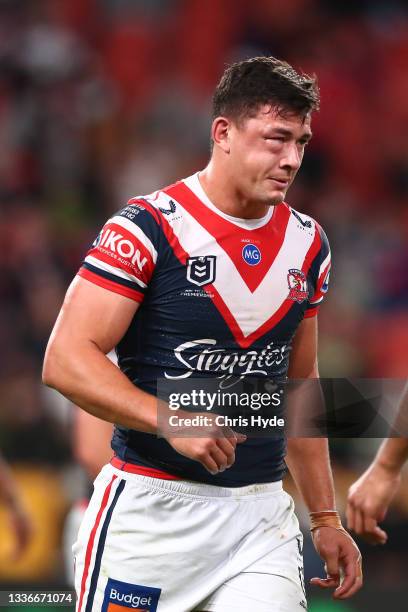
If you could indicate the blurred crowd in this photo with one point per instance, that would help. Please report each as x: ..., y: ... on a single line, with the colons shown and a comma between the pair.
x: 101, y: 100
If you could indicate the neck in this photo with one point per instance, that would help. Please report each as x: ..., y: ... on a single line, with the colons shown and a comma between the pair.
x: 226, y: 196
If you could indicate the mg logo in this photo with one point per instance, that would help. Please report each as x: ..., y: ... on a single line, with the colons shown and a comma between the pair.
x: 201, y: 270
x: 251, y: 254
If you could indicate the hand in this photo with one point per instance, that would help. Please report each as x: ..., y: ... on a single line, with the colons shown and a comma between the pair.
x: 368, y: 501
x: 214, y: 449
x: 342, y: 562
x: 22, y: 528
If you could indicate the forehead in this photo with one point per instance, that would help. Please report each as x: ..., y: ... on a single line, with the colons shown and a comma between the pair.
x: 268, y: 117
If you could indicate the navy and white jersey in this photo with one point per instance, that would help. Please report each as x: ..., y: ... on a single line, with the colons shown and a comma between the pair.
x: 219, y: 297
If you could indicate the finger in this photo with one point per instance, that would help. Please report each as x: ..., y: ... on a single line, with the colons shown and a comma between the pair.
x: 353, y: 577
x: 358, y: 521
x: 208, y: 462
x: 234, y: 436
x: 339, y: 593
x: 240, y: 437
x: 325, y: 583
x: 220, y: 458
x: 229, y: 435
x: 227, y: 449
x: 350, y: 516
x: 372, y: 532
x: 332, y: 567
x: 380, y: 535
x: 349, y: 578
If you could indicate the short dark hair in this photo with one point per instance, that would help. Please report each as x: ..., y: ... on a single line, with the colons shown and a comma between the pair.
x: 248, y: 84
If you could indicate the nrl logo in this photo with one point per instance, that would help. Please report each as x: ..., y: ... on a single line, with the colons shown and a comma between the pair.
x: 298, y: 291
x: 201, y: 270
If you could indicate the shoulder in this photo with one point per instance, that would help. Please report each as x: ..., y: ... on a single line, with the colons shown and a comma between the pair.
x: 304, y: 224
x: 157, y: 206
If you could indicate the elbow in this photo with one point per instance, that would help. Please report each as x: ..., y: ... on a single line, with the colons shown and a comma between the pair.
x: 48, y: 373
x: 52, y: 371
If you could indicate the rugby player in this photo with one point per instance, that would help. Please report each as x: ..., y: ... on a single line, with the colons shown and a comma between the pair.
x: 371, y: 495
x: 212, y: 277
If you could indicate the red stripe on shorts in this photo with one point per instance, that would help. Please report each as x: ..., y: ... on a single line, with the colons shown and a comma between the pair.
x: 142, y: 470
x: 91, y: 540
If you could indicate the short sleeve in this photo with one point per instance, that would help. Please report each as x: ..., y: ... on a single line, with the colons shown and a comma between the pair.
x: 123, y: 256
x: 320, y: 275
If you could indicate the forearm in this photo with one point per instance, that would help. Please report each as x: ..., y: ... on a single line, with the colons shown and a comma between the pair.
x: 392, y: 454
x: 84, y: 374
x: 309, y: 463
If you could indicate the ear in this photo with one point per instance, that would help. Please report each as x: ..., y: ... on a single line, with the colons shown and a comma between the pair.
x: 220, y: 133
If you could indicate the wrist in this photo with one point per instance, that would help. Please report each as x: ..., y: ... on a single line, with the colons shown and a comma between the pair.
x: 325, y: 518
x: 386, y: 466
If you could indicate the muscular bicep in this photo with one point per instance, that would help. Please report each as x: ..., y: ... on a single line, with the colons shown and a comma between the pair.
x: 94, y: 314
x: 303, y: 356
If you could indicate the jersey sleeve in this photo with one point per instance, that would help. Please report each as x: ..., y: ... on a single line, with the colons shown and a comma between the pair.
x: 321, y: 275
x: 124, y: 255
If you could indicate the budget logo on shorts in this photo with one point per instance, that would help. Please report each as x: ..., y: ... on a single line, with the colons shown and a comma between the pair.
x: 251, y: 254
x: 124, y: 596
x: 201, y: 270
x: 297, y: 282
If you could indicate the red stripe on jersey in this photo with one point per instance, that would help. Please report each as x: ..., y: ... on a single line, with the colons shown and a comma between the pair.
x: 269, y: 238
x: 141, y: 470
x: 312, y: 312
x: 122, y: 249
x: 90, y: 545
x: 174, y: 243
x: 110, y: 285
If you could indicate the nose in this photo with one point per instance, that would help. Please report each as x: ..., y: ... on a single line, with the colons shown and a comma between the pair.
x: 292, y: 157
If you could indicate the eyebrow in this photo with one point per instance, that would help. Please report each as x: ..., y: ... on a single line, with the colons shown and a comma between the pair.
x: 285, y: 132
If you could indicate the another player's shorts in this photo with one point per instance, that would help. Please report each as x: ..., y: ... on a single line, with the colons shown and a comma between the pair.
x: 151, y: 545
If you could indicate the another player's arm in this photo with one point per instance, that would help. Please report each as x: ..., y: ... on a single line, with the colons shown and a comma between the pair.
x: 370, y: 496
x: 309, y: 463
x: 91, y: 323
x: 92, y: 457
x: 10, y: 498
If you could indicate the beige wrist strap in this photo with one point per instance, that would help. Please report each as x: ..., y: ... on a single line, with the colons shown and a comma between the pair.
x: 325, y: 518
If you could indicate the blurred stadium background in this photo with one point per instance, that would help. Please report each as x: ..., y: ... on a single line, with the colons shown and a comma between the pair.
x: 104, y: 99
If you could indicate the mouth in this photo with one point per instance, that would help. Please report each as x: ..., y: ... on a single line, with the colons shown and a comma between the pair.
x: 283, y: 183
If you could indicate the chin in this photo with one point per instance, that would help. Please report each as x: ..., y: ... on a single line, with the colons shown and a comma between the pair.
x: 277, y: 197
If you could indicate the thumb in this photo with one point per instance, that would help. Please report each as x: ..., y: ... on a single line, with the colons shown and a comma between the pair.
x: 240, y: 437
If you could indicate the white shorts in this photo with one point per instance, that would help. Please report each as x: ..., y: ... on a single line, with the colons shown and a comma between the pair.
x: 153, y: 545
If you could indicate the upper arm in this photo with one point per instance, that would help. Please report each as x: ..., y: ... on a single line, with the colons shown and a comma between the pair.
x: 92, y: 314
x: 303, y: 356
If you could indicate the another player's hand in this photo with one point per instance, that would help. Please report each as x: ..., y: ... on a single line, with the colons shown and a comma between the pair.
x: 342, y: 562
x: 214, y: 448
x: 368, y: 501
